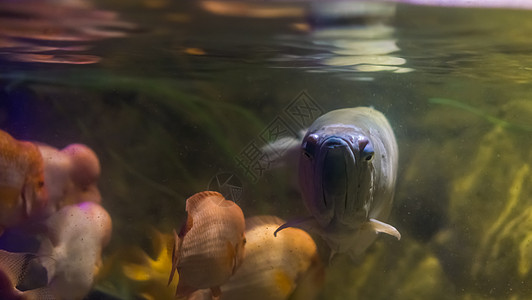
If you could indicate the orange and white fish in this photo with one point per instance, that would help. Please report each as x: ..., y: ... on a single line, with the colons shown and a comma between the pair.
x: 22, y: 190
x: 72, y: 252
x: 210, y: 246
x: 70, y: 175
x: 275, y: 268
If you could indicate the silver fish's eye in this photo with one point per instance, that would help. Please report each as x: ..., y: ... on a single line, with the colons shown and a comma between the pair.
x: 313, y: 138
x: 309, y: 145
x: 365, y: 148
x: 368, y: 157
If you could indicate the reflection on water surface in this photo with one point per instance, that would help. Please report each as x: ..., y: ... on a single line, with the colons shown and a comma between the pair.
x: 55, y: 32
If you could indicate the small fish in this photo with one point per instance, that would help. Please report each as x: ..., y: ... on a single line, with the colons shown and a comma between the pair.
x: 13, y: 269
x: 275, y: 268
x: 22, y: 190
x: 70, y: 175
x: 71, y: 253
x: 210, y: 246
x: 347, y: 173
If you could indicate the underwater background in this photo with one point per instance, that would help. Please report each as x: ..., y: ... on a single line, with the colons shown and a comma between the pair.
x: 180, y: 97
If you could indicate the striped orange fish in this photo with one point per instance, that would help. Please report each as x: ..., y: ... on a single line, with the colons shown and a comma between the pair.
x: 210, y: 245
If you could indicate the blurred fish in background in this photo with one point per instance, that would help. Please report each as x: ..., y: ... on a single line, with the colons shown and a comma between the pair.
x: 210, y: 246
x: 71, y: 254
x: 132, y: 273
x: 55, y: 228
x: 70, y: 175
x: 37, y: 180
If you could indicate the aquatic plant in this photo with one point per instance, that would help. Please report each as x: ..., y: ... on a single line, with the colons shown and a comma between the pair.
x: 481, y: 113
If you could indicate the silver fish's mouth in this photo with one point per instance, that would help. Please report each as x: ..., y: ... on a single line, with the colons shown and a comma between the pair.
x: 334, y: 142
x: 336, y: 156
x: 333, y: 171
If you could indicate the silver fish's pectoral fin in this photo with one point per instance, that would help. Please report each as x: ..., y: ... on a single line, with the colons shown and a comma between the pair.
x: 379, y: 226
x: 280, y: 150
x: 332, y: 255
x: 306, y: 223
x: 283, y: 143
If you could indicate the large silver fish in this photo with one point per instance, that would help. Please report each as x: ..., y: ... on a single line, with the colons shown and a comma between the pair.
x: 347, y: 174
